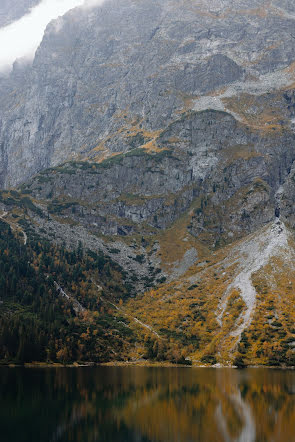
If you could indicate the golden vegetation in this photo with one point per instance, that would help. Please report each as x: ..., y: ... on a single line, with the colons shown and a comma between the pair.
x: 258, y: 112
x: 185, y: 312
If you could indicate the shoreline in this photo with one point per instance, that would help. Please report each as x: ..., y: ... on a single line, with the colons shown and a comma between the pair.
x: 144, y: 364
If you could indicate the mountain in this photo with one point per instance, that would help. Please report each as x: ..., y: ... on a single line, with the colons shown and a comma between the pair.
x: 111, y: 78
x: 160, y: 136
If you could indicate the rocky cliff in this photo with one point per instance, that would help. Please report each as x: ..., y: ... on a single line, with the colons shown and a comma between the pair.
x: 110, y: 78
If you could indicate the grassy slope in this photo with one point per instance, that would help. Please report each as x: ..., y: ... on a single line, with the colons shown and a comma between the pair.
x: 186, y: 311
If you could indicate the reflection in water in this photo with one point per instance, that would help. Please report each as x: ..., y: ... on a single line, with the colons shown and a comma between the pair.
x: 147, y: 405
x: 243, y: 413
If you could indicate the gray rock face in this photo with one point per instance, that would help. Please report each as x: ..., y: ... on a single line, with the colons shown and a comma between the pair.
x: 110, y: 78
x: 224, y: 187
x: 11, y: 10
x: 218, y: 71
x: 139, y: 193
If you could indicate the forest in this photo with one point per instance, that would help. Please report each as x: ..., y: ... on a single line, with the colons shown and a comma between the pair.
x: 60, y: 306
x: 38, y: 322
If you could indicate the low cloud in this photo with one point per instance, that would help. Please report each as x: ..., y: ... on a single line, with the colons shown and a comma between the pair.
x: 92, y: 3
x: 21, y: 38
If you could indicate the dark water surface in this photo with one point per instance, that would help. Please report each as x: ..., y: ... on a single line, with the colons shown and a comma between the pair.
x: 139, y: 404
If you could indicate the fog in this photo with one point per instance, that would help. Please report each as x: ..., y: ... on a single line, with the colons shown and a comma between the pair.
x: 21, y: 38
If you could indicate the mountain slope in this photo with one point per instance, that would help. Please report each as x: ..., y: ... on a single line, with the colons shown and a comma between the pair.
x: 111, y: 78
x: 238, y: 305
x: 150, y: 214
x: 158, y: 138
x: 55, y: 303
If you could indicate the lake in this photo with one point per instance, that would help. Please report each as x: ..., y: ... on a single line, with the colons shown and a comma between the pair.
x: 139, y: 404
